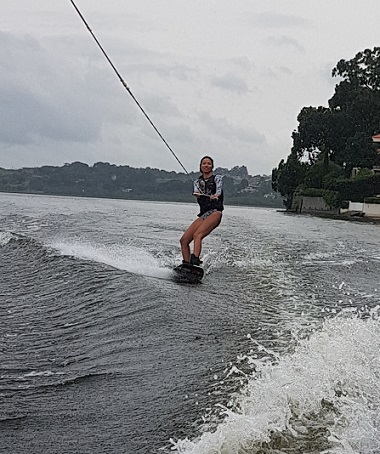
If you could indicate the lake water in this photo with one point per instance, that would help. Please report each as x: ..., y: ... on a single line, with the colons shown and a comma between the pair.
x: 277, y: 351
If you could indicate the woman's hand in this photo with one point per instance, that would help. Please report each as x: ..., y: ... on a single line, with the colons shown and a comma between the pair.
x: 214, y: 197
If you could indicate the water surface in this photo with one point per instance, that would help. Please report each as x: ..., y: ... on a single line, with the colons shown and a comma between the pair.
x: 277, y: 351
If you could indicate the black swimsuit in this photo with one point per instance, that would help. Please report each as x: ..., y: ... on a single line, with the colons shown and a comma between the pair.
x: 209, y: 186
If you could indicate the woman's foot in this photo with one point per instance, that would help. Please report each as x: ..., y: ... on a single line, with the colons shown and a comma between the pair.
x: 195, y: 260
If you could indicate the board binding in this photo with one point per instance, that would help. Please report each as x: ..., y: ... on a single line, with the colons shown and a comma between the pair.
x: 188, y: 273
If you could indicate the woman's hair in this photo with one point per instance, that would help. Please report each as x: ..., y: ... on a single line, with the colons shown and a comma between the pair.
x: 207, y: 157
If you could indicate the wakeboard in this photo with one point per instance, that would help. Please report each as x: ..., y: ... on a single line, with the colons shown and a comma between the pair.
x: 187, y: 273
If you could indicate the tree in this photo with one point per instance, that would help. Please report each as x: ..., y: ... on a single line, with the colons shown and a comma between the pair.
x: 362, y: 71
x: 359, y: 151
x: 339, y: 134
x: 287, y: 177
x: 315, y: 133
x: 323, y: 173
x: 357, y: 99
x: 353, y: 110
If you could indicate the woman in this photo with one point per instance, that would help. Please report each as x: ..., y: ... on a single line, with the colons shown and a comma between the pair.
x: 209, y: 193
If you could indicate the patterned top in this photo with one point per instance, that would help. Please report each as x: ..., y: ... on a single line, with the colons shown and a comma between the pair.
x: 199, y: 187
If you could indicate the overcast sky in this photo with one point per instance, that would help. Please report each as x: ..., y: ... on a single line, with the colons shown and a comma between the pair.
x: 226, y: 78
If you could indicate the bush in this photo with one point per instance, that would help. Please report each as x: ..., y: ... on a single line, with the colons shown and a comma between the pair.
x: 332, y: 198
x: 356, y: 190
x: 375, y: 200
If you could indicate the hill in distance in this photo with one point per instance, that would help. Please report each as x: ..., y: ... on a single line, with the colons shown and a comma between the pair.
x: 124, y: 182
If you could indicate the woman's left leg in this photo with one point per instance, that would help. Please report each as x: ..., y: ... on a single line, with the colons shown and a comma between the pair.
x: 204, y: 229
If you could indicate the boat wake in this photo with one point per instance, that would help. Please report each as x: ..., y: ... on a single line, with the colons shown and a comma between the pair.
x: 123, y: 257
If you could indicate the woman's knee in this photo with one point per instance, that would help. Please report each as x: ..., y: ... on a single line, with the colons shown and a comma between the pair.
x: 199, y: 235
x: 184, y: 240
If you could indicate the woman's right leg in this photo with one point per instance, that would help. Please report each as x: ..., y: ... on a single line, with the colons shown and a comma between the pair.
x: 207, y: 226
x: 187, y: 238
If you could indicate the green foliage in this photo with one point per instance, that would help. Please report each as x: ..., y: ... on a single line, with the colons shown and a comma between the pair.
x: 345, y: 128
x: 318, y: 130
x: 375, y: 200
x: 330, y: 141
x: 363, y: 70
x: 333, y: 174
x: 363, y: 174
x: 359, y: 152
x: 237, y: 171
x: 323, y: 173
x: 287, y: 177
x: 332, y: 198
x: 228, y: 184
x: 109, y: 180
x: 358, y: 189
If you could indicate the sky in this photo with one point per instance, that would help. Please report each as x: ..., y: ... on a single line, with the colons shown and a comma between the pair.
x: 217, y: 77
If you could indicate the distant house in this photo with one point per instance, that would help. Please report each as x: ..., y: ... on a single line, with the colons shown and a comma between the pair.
x: 376, y: 139
x: 375, y: 169
x: 356, y: 170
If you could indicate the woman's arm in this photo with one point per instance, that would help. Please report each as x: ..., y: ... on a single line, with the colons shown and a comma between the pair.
x: 196, y: 189
x: 219, y: 184
x: 219, y: 187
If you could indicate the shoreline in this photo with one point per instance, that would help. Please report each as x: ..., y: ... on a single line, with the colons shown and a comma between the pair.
x: 233, y: 202
x: 342, y: 217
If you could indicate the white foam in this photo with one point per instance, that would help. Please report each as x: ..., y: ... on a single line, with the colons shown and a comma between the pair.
x: 124, y: 257
x: 330, y: 379
x: 5, y: 238
x: 320, y: 256
x: 44, y: 373
x: 331, y: 258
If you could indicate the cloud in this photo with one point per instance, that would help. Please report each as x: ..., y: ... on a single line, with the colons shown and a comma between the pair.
x: 284, y: 70
x: 285, y: 41
x: 276, y: 20
x: 276, y: 72
x: 242, y: 62
x: 51, y: 92
x: 164, y: 71
x: 159, y: 106
x: 230, y: 82
x: 224, y: 129
x: 181, y: 134
x: 25, y: 118
x: 238, y: 63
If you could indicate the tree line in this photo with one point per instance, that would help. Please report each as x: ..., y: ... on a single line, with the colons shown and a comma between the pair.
x: 111, y: 181
x: 331, y: 141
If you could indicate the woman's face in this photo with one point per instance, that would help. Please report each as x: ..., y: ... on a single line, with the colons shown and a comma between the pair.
x: 206, y: 166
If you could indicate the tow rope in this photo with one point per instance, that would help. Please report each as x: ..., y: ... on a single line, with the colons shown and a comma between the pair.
x: 128, y: 89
